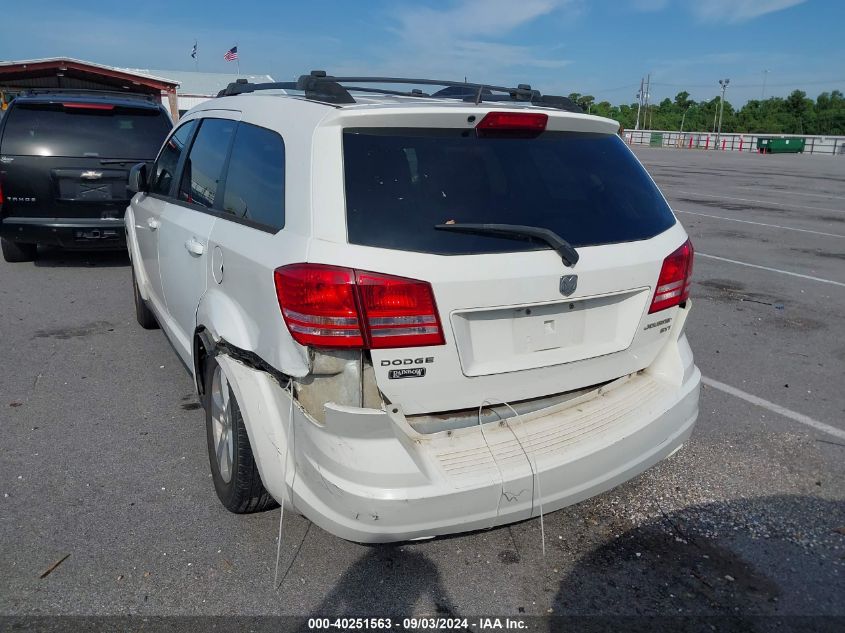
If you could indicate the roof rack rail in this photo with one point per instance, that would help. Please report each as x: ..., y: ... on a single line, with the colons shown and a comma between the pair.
x: 242, y: 86
x: 319, y: 86
x: 88, y: 92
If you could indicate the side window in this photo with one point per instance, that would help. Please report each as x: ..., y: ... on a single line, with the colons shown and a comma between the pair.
x: 255, y: 182
x: 204, y: 166
x: 168, y: 159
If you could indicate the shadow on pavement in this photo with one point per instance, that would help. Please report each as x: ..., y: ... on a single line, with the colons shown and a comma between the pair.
x: 389, y: 576
x: 760, y: 561
x: 59, y: 258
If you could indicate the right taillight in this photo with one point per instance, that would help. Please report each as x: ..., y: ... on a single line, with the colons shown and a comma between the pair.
x: 673, y: 284
x: 331, y: 306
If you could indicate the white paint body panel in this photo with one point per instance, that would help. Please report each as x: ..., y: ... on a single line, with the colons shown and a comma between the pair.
x: 365, y: 474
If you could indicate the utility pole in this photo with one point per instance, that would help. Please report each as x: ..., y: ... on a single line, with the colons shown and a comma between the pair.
x: 724, y: 84
x: 639, y: 104
x: 647, y: 97
x: 765, y: 76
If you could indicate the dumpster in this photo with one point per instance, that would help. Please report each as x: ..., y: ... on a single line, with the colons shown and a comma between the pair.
x: 775, y: 145
x: 656, y: 139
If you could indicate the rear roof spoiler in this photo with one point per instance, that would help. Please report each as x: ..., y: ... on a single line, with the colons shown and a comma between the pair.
x: 55, y: 95
x: 105, y: 94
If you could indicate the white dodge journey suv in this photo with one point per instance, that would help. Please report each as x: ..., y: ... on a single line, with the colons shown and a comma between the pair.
x: 414, y: 313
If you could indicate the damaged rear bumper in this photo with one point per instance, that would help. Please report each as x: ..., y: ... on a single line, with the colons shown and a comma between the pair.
x: 366, y: 475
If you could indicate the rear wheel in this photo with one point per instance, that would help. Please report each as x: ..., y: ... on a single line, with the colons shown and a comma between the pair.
x: 233, y: 468
x: 17, y: 252
x: 146, y: 318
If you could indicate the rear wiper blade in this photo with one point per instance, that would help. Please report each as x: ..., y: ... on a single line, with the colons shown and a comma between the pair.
x: 117, y: 161
x: 516, y: 231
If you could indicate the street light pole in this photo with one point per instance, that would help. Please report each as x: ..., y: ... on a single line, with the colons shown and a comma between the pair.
x: 765, y: 76
x: 683, y: 118
x: 724, y: 83
x: 639, y: 104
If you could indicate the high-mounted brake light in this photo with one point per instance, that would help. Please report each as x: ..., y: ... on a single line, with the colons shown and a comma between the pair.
x: 673, y: 284
x: 1, y: 193
x: 330, y: 306
x: 512, y: 124
x: 89, y: 106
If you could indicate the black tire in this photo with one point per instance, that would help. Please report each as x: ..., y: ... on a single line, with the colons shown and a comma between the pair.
x: 244, y: 492
x: 146, y: 318
x: 15, y: 252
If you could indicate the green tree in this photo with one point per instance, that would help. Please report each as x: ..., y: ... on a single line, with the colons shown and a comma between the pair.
x: 585, y: 102
x: 605, y: 109
x: 683, y: 101
x: 795, y: 114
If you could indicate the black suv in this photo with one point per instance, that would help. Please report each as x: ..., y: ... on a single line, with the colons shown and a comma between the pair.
x: 64, y: 166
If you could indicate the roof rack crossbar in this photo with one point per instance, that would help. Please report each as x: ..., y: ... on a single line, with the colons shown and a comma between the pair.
x: 319, y: 86
x: 521, y: 90
x: 243, y: 86
x: 383, y: 91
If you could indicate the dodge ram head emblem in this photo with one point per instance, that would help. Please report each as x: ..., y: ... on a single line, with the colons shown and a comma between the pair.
x: 568, y: 284
x: 92, y: 175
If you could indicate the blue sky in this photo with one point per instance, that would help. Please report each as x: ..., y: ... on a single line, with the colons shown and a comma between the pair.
x: 559, y: 46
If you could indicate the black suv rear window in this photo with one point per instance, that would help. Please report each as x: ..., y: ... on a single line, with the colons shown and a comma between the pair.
x: 59, y: 130
x: 587, y: 188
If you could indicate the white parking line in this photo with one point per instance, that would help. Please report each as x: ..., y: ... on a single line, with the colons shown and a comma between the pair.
x: 774, y: 226
x: 775, y: 408
x: 780, y: 204
x: 774, y: 270
x: 797, y: 193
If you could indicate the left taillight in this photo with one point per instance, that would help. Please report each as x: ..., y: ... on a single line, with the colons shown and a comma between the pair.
x: 398, y: 312
x: 331, y: 306
x: 673, y: 284
x: 319, y: 305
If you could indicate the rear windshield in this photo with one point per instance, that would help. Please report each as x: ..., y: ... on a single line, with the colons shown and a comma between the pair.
x: 56, y: 130
x: 587, y: 188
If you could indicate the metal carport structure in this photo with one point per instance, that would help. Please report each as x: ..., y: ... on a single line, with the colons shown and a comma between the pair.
x: 67, y: 73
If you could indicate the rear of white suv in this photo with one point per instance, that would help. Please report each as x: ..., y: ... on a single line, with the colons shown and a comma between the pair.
x: 478, y: 310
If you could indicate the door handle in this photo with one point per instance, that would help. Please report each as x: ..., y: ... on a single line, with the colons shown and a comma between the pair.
x: 194, y: 247
x: 153, y: 223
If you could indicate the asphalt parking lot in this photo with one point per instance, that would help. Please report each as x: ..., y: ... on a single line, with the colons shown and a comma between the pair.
x: 103, y: 458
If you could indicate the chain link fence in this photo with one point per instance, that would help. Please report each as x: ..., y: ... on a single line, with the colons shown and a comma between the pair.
x: 731, y: 142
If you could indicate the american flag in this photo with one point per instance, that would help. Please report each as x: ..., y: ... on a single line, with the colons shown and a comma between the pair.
x: 231, y: 55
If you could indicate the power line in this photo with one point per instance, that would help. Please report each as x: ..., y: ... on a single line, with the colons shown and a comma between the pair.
x: 625, y: 87
x: 769, y: 85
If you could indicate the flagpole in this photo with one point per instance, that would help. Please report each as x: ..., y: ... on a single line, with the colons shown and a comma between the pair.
x: 238, y: 60
x: 196, y: 57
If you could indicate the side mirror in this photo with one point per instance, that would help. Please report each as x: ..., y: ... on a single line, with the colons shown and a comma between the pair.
x: 138, y: 178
